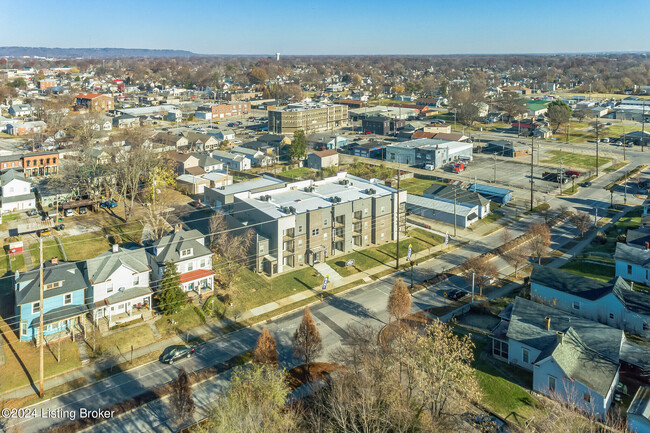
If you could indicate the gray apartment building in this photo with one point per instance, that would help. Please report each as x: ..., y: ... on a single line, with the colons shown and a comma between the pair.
x: 306, y: 222
x: 424, y: 151
x: 310, y: 117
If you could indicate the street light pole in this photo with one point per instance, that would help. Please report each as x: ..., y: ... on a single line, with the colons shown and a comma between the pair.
x: 532, y: 161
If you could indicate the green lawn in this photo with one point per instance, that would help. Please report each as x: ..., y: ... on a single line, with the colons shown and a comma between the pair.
x: 630, y: 221
x: 121, y: 342
x: 254, y: 290
x: 417, y: 186
x: 17, y: 263
x: 575, y: 159
x: 295, y: 173
x: 596, y: 271
x: 616, y: 166
x: 370, y: 257
x: 86, y: 246
x: 185, y: 319
x: 500, y: 395
x: 50, y: 249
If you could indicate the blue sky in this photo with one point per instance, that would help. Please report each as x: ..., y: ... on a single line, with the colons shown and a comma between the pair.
x: 331, y: 27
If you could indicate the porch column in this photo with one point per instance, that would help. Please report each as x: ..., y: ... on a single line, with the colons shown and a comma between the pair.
x: 83, y: 325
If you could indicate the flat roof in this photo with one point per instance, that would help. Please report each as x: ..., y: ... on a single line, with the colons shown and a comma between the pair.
x: 308, y: 106
x: 305, y: 196
x: 432, y: 144
x: 260, y: 182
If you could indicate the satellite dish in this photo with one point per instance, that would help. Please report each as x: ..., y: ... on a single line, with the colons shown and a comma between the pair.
x: 121, y: 289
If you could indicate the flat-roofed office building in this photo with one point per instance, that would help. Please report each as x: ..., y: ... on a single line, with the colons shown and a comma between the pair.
x: 310, y: 117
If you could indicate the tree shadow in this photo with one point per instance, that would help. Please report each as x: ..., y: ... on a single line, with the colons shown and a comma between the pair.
x: 22, y: 365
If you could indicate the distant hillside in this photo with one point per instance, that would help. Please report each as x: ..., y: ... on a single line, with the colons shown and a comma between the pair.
x: 94, y: 53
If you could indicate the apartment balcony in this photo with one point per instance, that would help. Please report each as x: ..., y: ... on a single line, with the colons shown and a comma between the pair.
x: 339, y: 222
x: 357, y: 228
x: 289, y: 234
x: 289, y: 247
x: 357, y: 215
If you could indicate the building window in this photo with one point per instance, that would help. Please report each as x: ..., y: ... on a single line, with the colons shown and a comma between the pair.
x: 324, y: 221
x: 190, y: 266
x: 202, y: 263
x: 646, y: 326
x: 109, y: 286
x: 325, y: 236
x: 551, y: 383
x: 586, y: 397
x: 576, y: 305
x: 299, y: 242
x: 525, y: 355
x: 315, y: 232
x: 186, y: 253
x: 629, y: 269
x: 36, y: 308
x: 54, y: 285
x: 365, y: 211
x: 136, y: 280
x: 611, y: 316
x: 261, y: 249
x: 67, y: 299
x: 382, y: 236
x: 23, y: 329
x: 365, y: 238
x: 383, y: 223
x: 299, y: 258
x: 365, y: 225
x: 428, y: 156
x: 383, y: 209
x: 500, y: 348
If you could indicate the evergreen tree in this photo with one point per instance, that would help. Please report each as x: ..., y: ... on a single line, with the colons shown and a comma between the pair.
x: 171, y: 296
x: 298, y: 147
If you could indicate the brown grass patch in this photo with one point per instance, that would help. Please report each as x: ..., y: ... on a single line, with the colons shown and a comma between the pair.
x: 297, y: 376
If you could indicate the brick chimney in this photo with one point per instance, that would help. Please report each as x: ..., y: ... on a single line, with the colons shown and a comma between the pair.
x: 647, y: 246
x: 177, y: 227
x: 54, y: 261
x: 547, y: 323
x: 116, y: 248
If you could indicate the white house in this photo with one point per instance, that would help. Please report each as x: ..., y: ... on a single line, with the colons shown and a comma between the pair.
x: 614, y: 304
x: 633, y: 262
x: 638, y: 415
x: 234, y: 161
x: 119, y: 283
x: 16, y: 192
x: 573, y: 359
x: 20, y: 110
x: 256, y: 157
x: 193, y: 260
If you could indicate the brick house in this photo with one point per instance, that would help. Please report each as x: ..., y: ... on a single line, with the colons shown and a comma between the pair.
x: 237, y: 108
x: 94, y: 101
x: 40, y: 163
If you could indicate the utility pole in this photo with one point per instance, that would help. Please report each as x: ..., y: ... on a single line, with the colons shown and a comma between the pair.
x: 597, y: 142
x: 643, y: 127
x: 473, y: 275
x: 627, y: 173
x: 398, y: 211
x: 624, y: 137
x: 532, y: 161
x: 455, y: 188
x: 495, y: 168
x: 40, y: 326
x: 561, y: 173
x: 611, y: 198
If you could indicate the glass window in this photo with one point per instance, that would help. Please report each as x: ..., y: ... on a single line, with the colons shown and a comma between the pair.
x: 300, y: 258
x: 586, y: 397
x: 261, y: 249
x: 299, y: 242
x: 190, y: 266
x: 551, y: 383
x: 324, y: 235
x: 136, y: 280
x: 187, y: 252
x: 36, y: 308
x: 629, y: 269
x: 611, y: 316
x: 23, y: 329
x: 525, y: 356
x: 67, y: 299
x: 109, y: 286
x: 324, y: 221
x: 576, y: 305
x: 314, y: 232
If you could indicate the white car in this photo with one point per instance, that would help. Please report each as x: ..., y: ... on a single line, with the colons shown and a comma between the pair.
x: 429, y: 167
x: 68, y: 212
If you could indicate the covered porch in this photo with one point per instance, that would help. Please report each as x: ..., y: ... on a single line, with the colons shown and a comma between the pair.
x: 58, y: 324
x: 316, y: 254
x: 124, y: 306
x: 200, y: 281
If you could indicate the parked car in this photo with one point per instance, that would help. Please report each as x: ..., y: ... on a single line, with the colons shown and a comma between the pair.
x: 606, y: 140
x: 59, y: 227
x: 83, y: 211
x: 456, y: 294
x: 32, y: 212
x: 108, y: 204
x: 44, y: 232
x: 429, y: 167
x: 585, y: 184
x: 174, y: 353
x: 68, y: 213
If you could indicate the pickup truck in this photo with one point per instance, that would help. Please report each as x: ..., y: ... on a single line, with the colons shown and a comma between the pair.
x: 571, y: 173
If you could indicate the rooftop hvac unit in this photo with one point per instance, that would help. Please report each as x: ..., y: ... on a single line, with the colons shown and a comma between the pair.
x: 371, y: 191
x: 292, y: 210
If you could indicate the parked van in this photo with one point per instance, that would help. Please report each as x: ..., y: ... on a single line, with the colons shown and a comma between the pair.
x: 429, y: 167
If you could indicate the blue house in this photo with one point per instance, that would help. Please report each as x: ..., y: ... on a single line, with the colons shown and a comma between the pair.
x: 64, y: 303
x: 613, y: 303
x: 633, y: 262
x: 496, y: 194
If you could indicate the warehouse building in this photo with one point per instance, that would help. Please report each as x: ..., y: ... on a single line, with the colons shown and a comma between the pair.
x: 428, y: 151
x: 442, y: 210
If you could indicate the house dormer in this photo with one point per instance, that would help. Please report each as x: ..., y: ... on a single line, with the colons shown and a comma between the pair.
x: 184, y: 253
x: 53, y: 285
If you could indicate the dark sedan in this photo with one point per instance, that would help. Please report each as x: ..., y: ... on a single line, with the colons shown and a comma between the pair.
x: 456, y: 294
x: 174, y: 353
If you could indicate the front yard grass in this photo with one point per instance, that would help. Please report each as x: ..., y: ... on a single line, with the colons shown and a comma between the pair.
x: 417, y: 186
x: 22, y: 360
x: 120, y: 342
x: 86, y: 246
x: 575, y: 159
x: 129, y: 232
x: 184, y: 320
x: 368, y: 258
x: 630, y: 221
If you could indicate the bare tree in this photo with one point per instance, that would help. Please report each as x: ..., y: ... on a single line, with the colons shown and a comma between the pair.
x: 581, y: 221
x: 181, y: 400
x: 517, y: 257
x: 231, y: 249
x: 156, y: 199
x: 399, y: 300
x: 307, y: 343
x: 266, y: 351
x: 131, y: 169
x: 484, y: 272
x: 540, y: 240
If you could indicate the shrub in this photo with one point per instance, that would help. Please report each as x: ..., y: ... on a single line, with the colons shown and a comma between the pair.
x: 200, y: 313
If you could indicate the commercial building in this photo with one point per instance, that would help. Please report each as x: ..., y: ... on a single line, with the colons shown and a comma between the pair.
x: 496, y: 194
x: 221, y: 111
x: 307, y: 222
x: 507, y: 148
x: 443, y: 210
x: 310, y: 117
x: 428, y: 151
x: 381, y: 125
